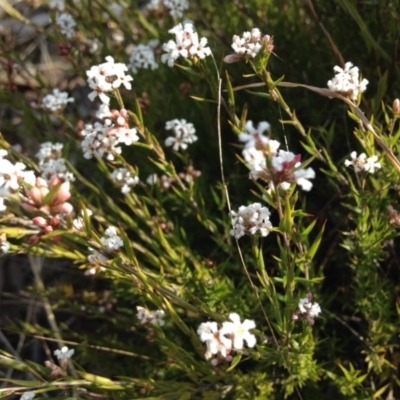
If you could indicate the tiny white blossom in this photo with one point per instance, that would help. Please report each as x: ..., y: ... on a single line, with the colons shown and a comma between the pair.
x: 307, y: 310
x: 106, y: 77
x: 142, y: 57
x: 216, y: 343
x: 361, y: 163
x: 152, y: 179
x: 146, y: 316
x: 111, y: 240
x: 184, y: 134
x: 66, y: 24
x: 64, y: 353
x: 239, y: 331
x: 124, y: 179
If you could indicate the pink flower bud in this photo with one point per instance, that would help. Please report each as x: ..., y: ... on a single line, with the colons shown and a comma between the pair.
x: 48, y: 229
x: 33, y: 239
x: 39, y: 221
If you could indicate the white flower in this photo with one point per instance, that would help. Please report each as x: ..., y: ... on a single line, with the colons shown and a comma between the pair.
x: 239, y: 331
x: 307, y: 310
x: 78, y: 223
x: 124, y: 179
x: 106, y: 77
x: 64, y: 353
x: 56, y: 101
x: 111, y: 240
x: 142, y: 57
x: 153, y: 317
x: 216, y: 343
x: 254, y: 137
x: 347, y: 82
x: 306, y: 307
x: 157, y: 317
x: 248, y: 46
x: 13, y: 175
x: 66, y: 24
x: 302, y: 177
x: 283, y: 170
x: 361, y: 163
x: 27, y: 396
x: 186, y: 45
x: 100, y: 139
x: 152, y: 179
x: 253, y: 219
x: 184, y: 134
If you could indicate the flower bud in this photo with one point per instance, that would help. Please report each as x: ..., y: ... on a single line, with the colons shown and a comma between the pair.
x: 396, y: 107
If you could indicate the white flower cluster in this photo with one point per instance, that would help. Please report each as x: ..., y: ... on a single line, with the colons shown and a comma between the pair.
x: 283, y: 167
x: 28, y: 395
x: 249, y: 45
x: 104, y: 138
x: 184, y: 134
x: 142, y: 57
x: 66, y: 24
x: 56, y: 101
x: 107, y: 77
x: 363, y: 164
x: 253, y: 219
x: 307, y: 310
x: 150, y: 317
x: 124, y: 179
x: 11, y: 178
x: 111, y: 242
x: 78, y: 223
x: 174, y: 7
x: 64, y: 353
x: 52, y: 163
x: 347, y: 81
x: 186, y: 45
x: 231, y: 336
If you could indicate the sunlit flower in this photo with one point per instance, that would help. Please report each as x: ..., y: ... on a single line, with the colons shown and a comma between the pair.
x: 347, y: 81
x: 239, y: 331
x: 252, y: 219
x: 56, y: 101
x: 184, y: 134
x: 307, y: 310
x: 64, y: 353
x: 186, y: 45
x: 363, y: 163
x: 248, y: 46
